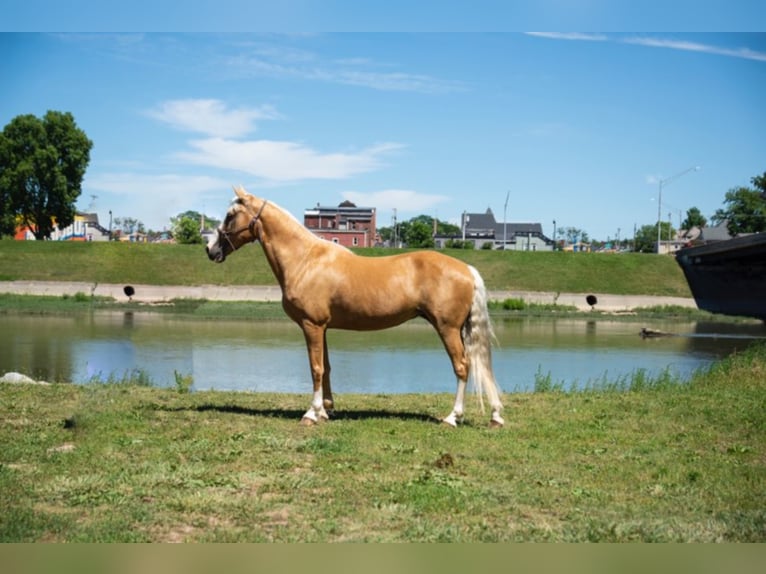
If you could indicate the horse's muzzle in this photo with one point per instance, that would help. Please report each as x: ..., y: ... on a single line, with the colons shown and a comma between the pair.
x: 215, y: 253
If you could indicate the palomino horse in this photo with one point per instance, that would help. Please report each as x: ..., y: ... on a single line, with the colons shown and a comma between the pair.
x: 324, y: 285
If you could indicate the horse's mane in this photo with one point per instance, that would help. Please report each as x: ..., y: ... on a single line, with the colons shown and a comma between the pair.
x: 300, y: 226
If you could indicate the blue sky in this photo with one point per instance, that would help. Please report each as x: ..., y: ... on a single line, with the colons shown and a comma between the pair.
x: 579, y: 128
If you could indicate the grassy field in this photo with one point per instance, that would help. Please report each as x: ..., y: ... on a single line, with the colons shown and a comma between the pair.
x: 661, y: 461
x: 625, y: 274
x: 116, y: 461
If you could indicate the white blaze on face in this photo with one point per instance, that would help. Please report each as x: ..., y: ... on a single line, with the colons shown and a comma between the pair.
x: 213, y: 245
x: 213, y: 240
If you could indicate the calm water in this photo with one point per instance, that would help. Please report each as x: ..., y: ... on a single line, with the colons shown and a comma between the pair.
x: 271, y: 356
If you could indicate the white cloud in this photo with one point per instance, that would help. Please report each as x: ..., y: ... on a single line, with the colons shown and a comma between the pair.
x: 745, y: 53
x: 283, y: 161
x: 652, y: 180
x: 355, y: 71
x: 153, y: 198
x: 211, y: 117
x: 403, y: 200
x: 141, y: 186
x: 570, y: 36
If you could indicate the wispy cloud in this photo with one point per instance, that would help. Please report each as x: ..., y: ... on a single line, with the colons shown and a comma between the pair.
x: 404, y: 200
x: 657, y: 42
x: 745, y: 53
x: 143, y: 186
x: 280, y: 62
x: 211, y: 117
x: 570, y: 36
x: 283, y: 161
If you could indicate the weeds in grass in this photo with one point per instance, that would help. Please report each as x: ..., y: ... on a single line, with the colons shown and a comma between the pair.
x: 129, y: 377
x: 635, y: 381
x: 78, y: 297
x: 514, y: 304
x: 184, y: 383
x: 518, y: 305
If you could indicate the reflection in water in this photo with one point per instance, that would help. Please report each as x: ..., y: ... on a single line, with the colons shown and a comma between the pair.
x: 271, y: 356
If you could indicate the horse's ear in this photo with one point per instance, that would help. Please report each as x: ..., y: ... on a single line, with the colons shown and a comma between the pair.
x: 240, y: 191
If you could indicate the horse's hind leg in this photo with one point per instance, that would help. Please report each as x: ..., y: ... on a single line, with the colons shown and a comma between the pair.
x: 453, y: 343
x: 316, y: 345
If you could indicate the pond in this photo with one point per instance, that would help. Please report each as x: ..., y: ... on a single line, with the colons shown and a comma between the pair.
x: 262, y: 356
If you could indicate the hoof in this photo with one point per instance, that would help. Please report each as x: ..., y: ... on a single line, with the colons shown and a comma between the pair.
x: 448, y: 424
x: 307, y: 422
x: 493, y: 424
x: 452, y: 420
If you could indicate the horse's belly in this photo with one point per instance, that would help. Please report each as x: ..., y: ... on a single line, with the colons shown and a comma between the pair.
x: 361, y: 321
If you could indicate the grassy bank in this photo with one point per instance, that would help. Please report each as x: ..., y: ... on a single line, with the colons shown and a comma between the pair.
x: 625, y: 274
x: 661, y: 462
x: 80, y: 303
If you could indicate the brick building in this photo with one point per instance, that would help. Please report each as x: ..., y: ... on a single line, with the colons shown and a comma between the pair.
x: 347, y: 224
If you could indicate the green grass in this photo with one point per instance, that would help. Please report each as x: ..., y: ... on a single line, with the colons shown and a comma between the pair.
x: 162, y: 264
x: 647, y: 461
x: 81, y: 303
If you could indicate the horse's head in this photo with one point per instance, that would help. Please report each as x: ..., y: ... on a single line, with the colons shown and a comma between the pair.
x: 239, y: 227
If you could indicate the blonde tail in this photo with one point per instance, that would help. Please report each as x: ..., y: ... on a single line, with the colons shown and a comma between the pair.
x: 477, y: 338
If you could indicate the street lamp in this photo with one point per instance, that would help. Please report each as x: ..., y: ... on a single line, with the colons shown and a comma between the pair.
x: 659, y: 199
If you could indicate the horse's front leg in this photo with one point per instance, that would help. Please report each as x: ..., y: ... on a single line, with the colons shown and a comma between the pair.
x: 328, y: 403
x: 316, y: 345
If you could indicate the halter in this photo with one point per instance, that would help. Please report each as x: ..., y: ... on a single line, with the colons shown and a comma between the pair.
x: 250, y: 227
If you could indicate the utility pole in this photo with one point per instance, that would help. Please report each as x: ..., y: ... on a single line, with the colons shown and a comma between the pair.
x: 505, y: 224
x: 396, y: 231
x: 554, y: 235
x: 659, y: 201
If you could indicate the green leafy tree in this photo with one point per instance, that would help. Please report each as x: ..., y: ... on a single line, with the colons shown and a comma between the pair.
x: 42, y: 165
x: 419, y: 234
x: 745, y: 208
x: 646, y: 237
x: 128, y: 225
x: 404, y: 229
x: 573, y: 235
x: 209, y: 222
x: 694, y: 218
x: 186, y: 230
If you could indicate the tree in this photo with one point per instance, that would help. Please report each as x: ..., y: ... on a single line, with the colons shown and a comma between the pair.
x: 646, y: 237
x: 694, y: 218
x: 209, y: 222
x: 404, y: 228
x: 745, y: 210
x: 419, y: 234
x: 128, y: 225
x: 573, y: 235
x: 42, y: 164
x: 186, y: 230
